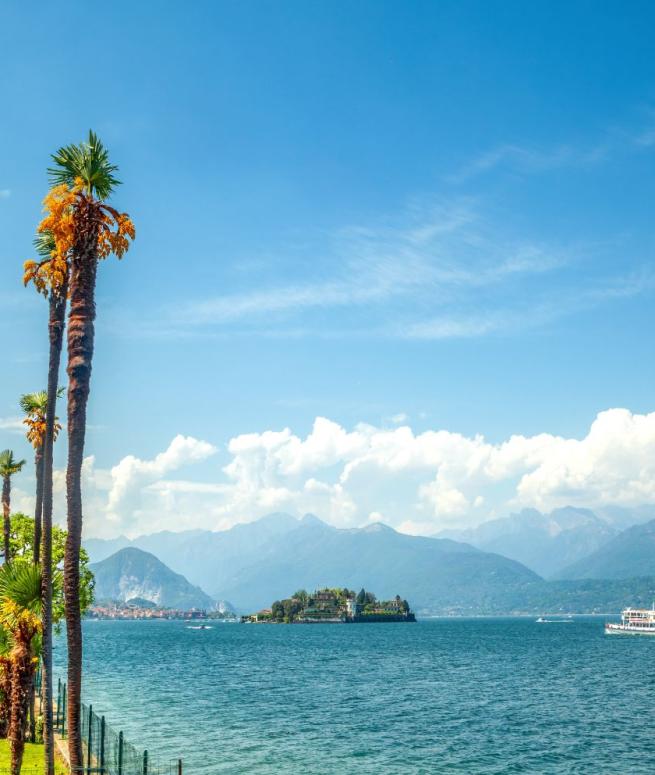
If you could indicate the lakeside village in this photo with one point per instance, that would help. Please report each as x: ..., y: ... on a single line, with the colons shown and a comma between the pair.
x: 138, y: 608
x: 333, y: 606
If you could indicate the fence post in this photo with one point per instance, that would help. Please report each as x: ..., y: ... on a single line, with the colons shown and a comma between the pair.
x: 145, y: 762
x: 120, y: 753
x: 58, y: 703
x: 179, y: 767
x: 102, y: 745
x: 63, y: 711
x: 89, y: 741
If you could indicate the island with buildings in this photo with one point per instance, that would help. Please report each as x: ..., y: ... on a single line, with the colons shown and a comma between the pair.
x: 332, y: 606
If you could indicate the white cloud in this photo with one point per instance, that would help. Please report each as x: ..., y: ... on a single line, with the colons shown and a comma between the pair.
x: 13, y: 424
x: 417, y: 482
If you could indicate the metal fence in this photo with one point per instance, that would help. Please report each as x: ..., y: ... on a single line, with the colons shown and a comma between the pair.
x: 106, y: 752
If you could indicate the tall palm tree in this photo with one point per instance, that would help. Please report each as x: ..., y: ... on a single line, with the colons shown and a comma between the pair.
x: 50, y: 277
x: 20, y: 608
x: 97, y: 230
x: 8, y: 467
x: 34, y: 409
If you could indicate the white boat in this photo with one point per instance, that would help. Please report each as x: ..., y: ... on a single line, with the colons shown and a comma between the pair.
x: 634, y: 621
x: 541, y: 620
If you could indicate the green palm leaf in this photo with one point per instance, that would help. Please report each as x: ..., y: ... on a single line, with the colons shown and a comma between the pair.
x: 89, y: 161
x: 34, y: 403
x: 8, y: 463
x: 20, y: 583
x: 44, y: 244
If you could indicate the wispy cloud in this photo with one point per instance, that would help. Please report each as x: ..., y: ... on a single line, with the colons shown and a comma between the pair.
x: 428, y: 254
x: 520, y: 317
x: 529, y: 160
x: 12, y: 424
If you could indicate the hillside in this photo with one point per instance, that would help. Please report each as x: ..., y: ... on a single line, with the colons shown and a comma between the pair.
x: 132, y: 573
x: 628, y: 555
x: 546, y: 543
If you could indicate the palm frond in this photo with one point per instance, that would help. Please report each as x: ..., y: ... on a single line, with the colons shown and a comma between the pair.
x: 9, y: 465
x: 34, y: 403
x: 20, y: 585
x: 88, y: 161
x: 44, y: 244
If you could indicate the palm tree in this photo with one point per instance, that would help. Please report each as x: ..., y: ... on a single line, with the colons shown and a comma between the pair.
x: 20, y: 607
x: 34, y: 409
x: 35, y: 406
x: 8, y: 467
x: 50, y: 277
x: 84, y: 172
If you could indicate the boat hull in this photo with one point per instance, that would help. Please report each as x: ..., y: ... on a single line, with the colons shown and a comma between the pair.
x: 617, y: 629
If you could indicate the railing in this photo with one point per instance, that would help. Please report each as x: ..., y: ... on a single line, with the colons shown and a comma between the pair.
x: 106, y: 751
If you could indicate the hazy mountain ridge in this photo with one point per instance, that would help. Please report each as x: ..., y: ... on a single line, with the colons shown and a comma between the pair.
x: 546, y: 543
x: 630, y: 554
x: 132, y: 573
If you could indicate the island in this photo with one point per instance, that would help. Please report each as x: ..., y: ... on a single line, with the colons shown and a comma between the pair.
x: 333, y: 606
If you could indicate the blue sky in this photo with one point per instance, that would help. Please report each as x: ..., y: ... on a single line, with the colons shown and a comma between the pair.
x: 428, y: 214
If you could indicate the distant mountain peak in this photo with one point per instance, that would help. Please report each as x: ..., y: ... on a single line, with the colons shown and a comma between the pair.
x: 312, y: 519
x: 377, y: 527
x: 133, y: 573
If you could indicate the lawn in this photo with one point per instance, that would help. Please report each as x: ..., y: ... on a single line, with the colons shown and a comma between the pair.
x: 32, y: 760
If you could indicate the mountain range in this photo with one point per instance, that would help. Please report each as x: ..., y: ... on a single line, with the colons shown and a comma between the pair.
x: 252, y: 564
x: 546, y: 543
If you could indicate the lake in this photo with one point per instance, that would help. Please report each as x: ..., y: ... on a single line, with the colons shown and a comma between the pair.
x: 440, y: 696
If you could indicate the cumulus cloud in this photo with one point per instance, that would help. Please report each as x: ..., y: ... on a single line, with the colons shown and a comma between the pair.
x: 416, y: 482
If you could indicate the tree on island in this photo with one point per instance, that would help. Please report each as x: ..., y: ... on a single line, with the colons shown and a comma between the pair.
x: 302, y: 595
x: 365, y: 598
x: 86, y: 229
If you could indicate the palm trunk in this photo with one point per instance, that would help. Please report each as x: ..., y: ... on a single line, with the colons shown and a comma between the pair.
x: 6, y: 505
x: 38, y: 465
x: 21, y: 680
x: 80, y: 354
x: 5, y: 695
x: 56, y: 334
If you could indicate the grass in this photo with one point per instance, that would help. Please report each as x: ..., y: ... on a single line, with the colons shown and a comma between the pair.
x: 32, y: 760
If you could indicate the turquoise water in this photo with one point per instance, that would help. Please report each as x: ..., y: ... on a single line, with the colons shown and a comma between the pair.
x: 445, y: 696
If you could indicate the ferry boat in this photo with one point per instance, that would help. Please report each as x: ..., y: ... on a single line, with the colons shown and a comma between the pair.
x: 634, y: 621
